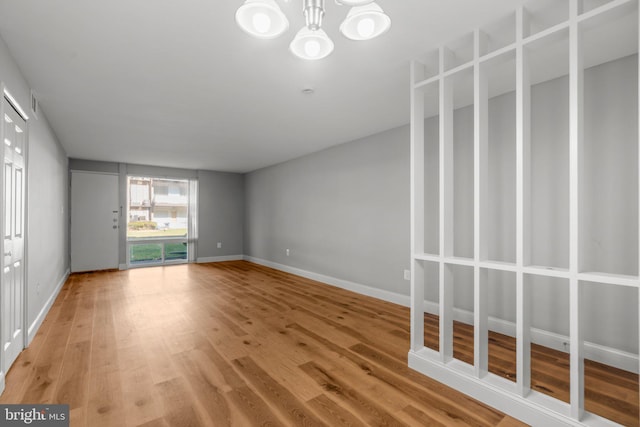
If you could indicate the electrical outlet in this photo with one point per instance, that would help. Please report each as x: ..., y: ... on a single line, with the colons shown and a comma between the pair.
x: 407, y: 275
x: 288, y: 252
x: 219, y: 245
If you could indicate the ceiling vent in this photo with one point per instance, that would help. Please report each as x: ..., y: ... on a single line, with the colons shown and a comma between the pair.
x: 35, y: 106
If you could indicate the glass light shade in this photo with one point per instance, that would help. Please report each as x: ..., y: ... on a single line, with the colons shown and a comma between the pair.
x: 355, y: 2
x: 262, y: 19
x: 311, y: 45
x: 365, y: 22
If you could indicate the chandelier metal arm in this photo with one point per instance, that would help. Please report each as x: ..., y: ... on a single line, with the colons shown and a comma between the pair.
x: 313, y: 13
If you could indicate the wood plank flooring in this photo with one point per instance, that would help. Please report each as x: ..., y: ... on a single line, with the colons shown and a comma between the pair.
x: 231, y: 344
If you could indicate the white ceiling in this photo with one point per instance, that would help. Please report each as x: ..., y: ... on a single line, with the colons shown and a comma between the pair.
x: 170, y: 83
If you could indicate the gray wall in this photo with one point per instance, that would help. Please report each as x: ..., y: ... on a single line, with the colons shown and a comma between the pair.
x: 220, y: 204
x: 93, y: 166
x: 342, y: 212
x: 48, y: 243
x: 220, y: 214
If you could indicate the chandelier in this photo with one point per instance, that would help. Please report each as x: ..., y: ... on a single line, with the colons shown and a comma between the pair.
x: 264, y: 19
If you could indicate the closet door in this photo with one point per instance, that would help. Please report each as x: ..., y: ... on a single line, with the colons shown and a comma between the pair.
x: 13, y: 196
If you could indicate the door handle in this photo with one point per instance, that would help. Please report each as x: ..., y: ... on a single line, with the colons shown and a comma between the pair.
x: 7, y: 254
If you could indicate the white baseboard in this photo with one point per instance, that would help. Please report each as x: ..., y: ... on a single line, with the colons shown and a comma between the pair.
x: 1, y: 383
x: 339, y: 283
x: 220, y: 258
x: 33, y: 328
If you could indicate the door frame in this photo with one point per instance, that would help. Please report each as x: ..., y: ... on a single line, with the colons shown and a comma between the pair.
x: 25, y: 317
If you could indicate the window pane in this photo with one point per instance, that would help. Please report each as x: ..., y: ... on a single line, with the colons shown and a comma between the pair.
x: 175, y: 251
x: 145, y: 253
x: 158, y: 207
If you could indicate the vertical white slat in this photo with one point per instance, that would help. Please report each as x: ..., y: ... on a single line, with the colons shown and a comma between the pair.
x: 576, y: 343
x: 446, y: 160
x: 481, y: 323
x: 480, y: 155
x: 417, y: 305
x: 638, y: 142
x: 523, y: 158
x: 576, y: 74
x: 446, y: 209
x: 446, y: 312
x: 417, y: 208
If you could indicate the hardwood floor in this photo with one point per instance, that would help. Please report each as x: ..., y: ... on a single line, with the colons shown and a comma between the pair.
x: 230, y: 344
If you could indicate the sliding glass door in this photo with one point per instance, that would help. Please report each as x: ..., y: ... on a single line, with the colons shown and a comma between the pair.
x: 159, y: 220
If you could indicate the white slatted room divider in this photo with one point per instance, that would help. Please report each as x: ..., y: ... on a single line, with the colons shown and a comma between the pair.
x: 541, y: 41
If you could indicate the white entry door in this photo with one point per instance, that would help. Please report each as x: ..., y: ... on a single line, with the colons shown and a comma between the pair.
x: 94, y: 221
x: 13, y: 197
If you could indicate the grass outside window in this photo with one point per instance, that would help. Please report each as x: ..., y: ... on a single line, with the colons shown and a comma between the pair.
x: 149, y: 253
